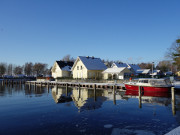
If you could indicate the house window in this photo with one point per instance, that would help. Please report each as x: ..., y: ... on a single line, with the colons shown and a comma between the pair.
x: 81, y: 67
x: 77, y: 67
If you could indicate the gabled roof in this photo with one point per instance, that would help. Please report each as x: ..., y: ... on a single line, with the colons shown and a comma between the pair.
x: 120, y: 64
x: 142, y: 71
x: 134, y: 67
x: 114, y: 70
x: 91, y: 63
x: 65, y: 65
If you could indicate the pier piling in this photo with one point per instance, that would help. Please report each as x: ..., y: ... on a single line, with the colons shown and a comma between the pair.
x: 140, y: 104
x: 94, y: 92
x: 114, y: 94
x: 173, y: 101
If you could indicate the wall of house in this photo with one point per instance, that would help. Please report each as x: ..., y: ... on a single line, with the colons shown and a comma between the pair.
x: 79, y: 70
x: 95, y: 74
x: 66, y: 73
x: 57, y: 72
x: 117, y: 76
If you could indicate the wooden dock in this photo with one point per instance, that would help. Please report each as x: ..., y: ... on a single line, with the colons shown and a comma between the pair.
x: 77, y: 84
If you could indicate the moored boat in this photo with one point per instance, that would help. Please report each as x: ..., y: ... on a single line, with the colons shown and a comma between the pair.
x: 150, y: 85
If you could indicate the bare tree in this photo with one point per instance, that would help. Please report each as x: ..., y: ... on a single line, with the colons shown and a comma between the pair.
x: 174, y: 53
x: 68, y: 58
x: 10, y: 69
x: 18, y: 70
x: 39, y: 68
x: 146, y: 65
x: 2, y: 68
x: 164, y: 66
x: 28, y: 68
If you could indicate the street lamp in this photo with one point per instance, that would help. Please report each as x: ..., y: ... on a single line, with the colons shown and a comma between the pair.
x: 152, y: 68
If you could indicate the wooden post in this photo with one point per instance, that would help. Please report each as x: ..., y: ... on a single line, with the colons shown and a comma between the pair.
x: 94, y: 92
x: 2, y: 82
x: 12, y: 83
x: 66, y: 89
x: 140, y: 104
x: 173, y: 101
x: 48, y: 86
x: 35, y: 86
x: 79, y: 88
x: 29, y: 85
x: 56, y: 89
x: 114, y: 95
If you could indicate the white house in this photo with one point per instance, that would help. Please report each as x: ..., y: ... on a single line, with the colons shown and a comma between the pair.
x: 116, y: 73
x: 132, y: 67
x: 88, y: 67
x: 61, y: 69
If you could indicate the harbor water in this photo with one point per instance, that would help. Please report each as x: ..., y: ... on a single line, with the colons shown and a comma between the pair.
x: 57, y: 110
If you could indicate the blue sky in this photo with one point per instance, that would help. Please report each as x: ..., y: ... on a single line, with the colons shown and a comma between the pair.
x: 132, y: 31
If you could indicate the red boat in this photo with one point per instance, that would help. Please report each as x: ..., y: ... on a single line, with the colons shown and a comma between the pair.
x: 150, y: 85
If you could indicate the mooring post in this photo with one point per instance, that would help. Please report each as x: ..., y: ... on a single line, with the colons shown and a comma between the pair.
x: 79, y: 88
x: 114, y: 94
x: 29, y: 85
x: 173, y: 101
x: 35, y: 86
x: 48, y: 86
x: 66, y: 89
x: 2, y: 82
x: 12, y: 83
x: 41, y: 84
x: 140, y: 104
x: 94, y: 92
x: 56, y: 89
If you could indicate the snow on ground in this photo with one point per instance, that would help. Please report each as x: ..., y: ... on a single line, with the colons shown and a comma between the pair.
x: 177, y: 84
x: 175, y: 131
x: 117, y: 131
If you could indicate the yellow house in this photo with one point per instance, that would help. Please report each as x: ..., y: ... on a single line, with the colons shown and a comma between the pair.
x: 88, y: 68
x: 178, y: 73
x: 61, y: 69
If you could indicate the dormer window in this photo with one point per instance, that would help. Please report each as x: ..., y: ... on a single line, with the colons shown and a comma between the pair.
x: 81, y: 67
x: 77, y: 67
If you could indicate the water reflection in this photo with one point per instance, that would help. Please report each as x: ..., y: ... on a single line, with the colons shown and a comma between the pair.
x: 158, y: 98
x: 89, y: 99
x: 61, y: 95
x: 85, y: 99
x: 101, y: 111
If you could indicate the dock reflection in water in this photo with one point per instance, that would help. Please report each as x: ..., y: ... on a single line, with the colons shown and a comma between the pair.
x: 61, y: 110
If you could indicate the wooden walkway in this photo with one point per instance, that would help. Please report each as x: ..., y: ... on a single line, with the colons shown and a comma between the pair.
x: 77, y: 84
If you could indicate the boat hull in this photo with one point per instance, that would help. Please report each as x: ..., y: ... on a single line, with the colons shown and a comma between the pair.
x: 147, y: 88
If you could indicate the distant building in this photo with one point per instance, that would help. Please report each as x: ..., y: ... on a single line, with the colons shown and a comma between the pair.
x: 88, y: 67
x: 132, y: 67
x: 156, y: 72
x: 119, y: 64
x: 168, y: 73
x: 61, y: 69
x: 116, y: 73
x: 143, y: 71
